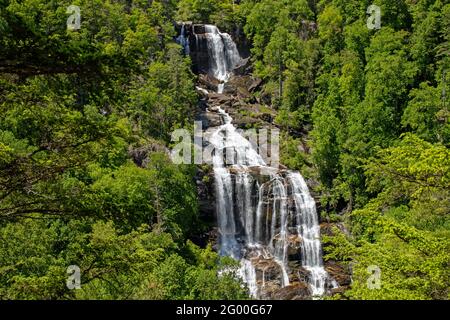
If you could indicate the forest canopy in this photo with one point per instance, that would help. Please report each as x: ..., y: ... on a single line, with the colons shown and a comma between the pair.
x: 86, y: 118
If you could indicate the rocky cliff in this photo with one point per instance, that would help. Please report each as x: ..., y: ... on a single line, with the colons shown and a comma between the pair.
x: 237, y: 99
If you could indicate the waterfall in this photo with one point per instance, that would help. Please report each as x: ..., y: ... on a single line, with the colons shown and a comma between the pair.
x: 223, y: 54
x: 260, y: 216
x: 223, y: 138
x: 183, y: 40
x: 308, y: 227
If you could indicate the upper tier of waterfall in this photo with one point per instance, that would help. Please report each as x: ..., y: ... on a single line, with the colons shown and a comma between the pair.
x: 222, y: 53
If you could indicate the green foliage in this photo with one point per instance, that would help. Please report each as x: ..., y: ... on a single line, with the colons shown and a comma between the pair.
x: 282, y: 54
x: 417, y: 173
x: 426, y: 113
x: 86, y: 118
x: 226, y: 14
x: 330, y: 28
x: 291, y: 154
x: 405, y: 229
x: 377, y: 102
x: 141, y: 264
x: 85, y: 177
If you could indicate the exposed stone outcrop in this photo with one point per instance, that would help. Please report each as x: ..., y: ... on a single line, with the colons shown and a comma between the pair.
x: 140, y: 153
x: 340, y: 273
x: 295, y: 291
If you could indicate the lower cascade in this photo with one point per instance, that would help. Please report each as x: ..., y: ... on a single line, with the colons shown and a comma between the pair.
x: 266, y: 216
x: 263, y: 217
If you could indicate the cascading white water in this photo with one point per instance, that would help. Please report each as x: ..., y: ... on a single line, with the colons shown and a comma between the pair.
x: 224, y: 139
x: 183, y: 40
x: 223, y: 54
x: 256, y: 218
x: 308, y: 227
x: 248, y: 273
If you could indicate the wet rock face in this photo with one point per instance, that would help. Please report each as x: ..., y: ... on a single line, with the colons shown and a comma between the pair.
x: 208, y: 82
x: 268, y: 277
x: 340, y: 273
x: 295, y: 291
x: 267, y: 270
x: 198, y: 46
x: 199, y: 53
x: 300, y: 274
x: 271, y: 290
x: 205, y: 191
x: 210, y: 119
